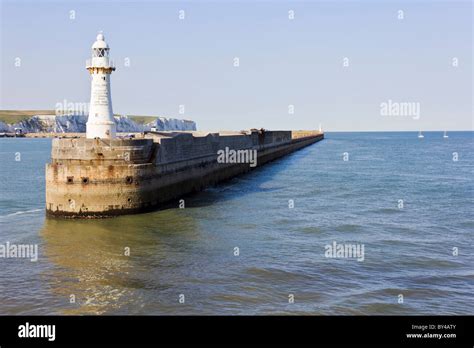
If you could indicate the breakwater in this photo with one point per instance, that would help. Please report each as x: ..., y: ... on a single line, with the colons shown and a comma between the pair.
x: 93, y: 178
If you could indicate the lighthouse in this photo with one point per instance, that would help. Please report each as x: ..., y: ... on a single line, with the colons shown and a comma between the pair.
x: 100, y: 123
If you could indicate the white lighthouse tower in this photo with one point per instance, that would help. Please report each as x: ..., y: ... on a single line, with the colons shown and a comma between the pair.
x: 100, y: 123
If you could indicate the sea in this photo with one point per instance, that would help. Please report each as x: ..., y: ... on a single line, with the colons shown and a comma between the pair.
x: 357, y: 224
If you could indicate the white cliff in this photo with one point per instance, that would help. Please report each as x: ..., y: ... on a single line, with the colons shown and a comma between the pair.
x: 4, y: 127
x: 77, y: 124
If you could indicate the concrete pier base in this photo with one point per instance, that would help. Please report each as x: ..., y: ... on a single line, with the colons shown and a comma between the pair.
x: 94, y: 178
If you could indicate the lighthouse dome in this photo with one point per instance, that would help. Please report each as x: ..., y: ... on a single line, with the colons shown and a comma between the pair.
x: 100, y: 42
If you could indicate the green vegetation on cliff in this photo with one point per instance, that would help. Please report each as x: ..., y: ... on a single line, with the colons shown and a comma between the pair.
x: 15, y: 116
x: 142, y: 119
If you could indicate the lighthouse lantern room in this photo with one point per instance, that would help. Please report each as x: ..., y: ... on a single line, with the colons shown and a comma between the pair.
x: 100, y: 123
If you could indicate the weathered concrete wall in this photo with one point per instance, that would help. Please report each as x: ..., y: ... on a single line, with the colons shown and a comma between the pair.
x: 101, y: 151
x: 185, y: 146
x: 98, y: 178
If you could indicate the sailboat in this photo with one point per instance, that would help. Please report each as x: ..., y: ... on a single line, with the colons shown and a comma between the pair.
x: 445, y: 135
x: 420, y: 135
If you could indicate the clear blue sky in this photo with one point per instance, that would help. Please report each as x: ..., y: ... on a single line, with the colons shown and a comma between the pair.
x: 282, y: 62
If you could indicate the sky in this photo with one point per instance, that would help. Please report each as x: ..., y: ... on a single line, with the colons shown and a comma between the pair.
x: 347, y: 65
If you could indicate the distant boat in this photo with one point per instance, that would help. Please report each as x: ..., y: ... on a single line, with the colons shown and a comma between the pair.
x: 420, y: 135
x: 445, y: 135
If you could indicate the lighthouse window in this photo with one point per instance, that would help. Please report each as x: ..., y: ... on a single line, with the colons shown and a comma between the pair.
x: 103, y: 77
x: 99, y: 52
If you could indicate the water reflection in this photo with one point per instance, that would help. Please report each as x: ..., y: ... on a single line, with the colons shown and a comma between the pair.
x: 90, y: 261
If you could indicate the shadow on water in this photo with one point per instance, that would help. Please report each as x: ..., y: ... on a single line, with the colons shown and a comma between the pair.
x: 90, y: 262
x: 245, y: 184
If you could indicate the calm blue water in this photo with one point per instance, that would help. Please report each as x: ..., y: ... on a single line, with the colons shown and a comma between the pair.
x: 190, y: 251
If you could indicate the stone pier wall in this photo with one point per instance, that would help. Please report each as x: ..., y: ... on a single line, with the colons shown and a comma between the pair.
x: 100, y: 178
